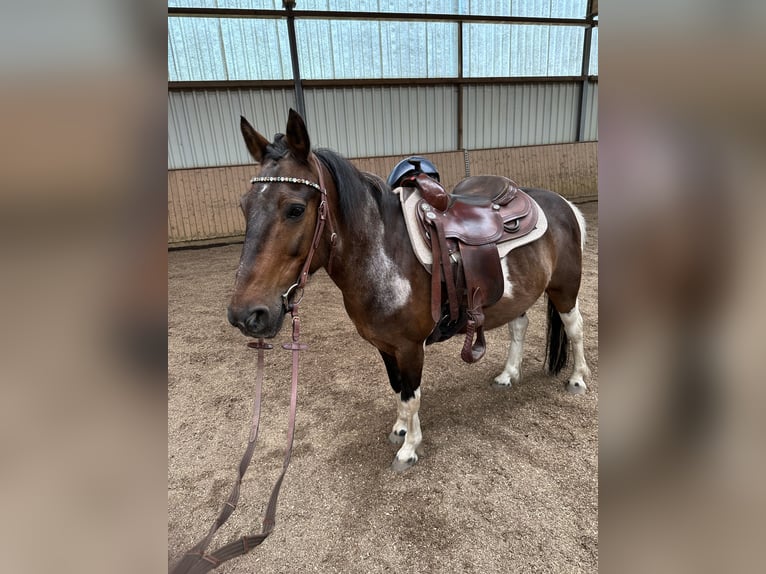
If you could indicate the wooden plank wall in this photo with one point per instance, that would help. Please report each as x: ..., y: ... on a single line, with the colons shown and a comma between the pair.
x: 203, y: 204
x: 568, y: 169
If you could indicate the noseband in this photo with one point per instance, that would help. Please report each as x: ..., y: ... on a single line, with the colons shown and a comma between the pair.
x: 323, y: 215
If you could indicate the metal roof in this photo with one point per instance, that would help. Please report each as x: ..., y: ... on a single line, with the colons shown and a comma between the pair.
x: 545, y: 8
x: 239, y: 48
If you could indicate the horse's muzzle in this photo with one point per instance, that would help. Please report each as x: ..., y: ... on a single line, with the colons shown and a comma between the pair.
x: 258, y: 321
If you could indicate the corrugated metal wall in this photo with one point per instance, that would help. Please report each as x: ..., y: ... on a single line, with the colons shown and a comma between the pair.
x: 203, y: 126
x: 519, y: 114
x: 372, y: 121
x: 590, y: 118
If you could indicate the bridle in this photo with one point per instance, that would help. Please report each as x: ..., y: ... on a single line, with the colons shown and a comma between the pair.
x: 197, y: 560
x: 323, y: 216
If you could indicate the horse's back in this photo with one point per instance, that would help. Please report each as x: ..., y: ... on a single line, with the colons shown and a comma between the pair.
x: 565, y: 221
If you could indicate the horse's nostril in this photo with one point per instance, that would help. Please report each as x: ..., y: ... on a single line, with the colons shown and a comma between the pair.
x: 258, y: 319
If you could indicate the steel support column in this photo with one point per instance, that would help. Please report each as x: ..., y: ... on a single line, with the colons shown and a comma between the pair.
x: 585, y: 86
x: 299, y: 102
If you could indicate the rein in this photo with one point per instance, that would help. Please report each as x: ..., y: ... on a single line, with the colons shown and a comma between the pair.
x: 197, y: 560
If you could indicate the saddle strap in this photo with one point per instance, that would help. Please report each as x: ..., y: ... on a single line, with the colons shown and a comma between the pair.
x: 474, y: 350
x: 449, y: 276
x: 436, y: 278
x: 484, y: 287
x: 442, y: 269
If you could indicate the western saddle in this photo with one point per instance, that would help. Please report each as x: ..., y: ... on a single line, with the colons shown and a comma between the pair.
x: 463, y: 229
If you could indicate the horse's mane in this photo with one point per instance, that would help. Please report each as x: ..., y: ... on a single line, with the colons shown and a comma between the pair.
x: 354, y: 187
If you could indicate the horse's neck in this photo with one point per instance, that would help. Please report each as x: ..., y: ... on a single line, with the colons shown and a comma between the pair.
x: 375, y: 269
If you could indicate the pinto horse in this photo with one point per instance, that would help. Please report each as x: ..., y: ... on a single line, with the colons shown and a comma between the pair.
x: 386, y: 291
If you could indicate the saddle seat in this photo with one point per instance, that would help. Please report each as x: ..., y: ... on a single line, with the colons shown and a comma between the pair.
x: 463, y: 229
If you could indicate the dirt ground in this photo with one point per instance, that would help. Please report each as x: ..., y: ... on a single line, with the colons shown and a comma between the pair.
x: 508, y: 481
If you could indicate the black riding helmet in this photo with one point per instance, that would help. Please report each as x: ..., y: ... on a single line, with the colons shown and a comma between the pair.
x: 413, y: 165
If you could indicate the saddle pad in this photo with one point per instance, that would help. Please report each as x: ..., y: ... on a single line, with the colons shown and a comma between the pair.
x: 410, y: 198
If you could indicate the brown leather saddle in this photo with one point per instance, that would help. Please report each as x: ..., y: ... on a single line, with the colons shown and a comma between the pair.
x: 463, y: 229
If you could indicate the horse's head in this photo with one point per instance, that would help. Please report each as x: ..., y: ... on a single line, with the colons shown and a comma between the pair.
x: 281, y: 217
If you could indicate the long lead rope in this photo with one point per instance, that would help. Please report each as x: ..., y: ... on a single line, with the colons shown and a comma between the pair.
x: 197, y: 560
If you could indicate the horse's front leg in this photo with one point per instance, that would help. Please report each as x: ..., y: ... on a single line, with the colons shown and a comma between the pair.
x: 404, y: 373
x: 512, y: 373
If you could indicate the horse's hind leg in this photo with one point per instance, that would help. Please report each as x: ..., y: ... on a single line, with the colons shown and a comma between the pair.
x: 512, y: 372
x: 404, y: 373
x: 573, y: 326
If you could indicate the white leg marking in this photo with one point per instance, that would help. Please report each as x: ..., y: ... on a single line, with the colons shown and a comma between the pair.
x: 574, y: 329
x: 407, y: 455
x: 512, y: 372
x: 401, y: 425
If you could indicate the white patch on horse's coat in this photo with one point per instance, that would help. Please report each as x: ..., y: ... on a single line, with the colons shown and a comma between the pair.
x: 573, y: 325
x: 512, y: 372
x: 507, y: 285
x: 393, y: 290
x: 408, y: 413
x: 260, y: 187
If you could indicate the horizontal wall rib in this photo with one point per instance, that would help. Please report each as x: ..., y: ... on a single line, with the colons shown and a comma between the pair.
x: 351, y: 83
x: 378, y: 16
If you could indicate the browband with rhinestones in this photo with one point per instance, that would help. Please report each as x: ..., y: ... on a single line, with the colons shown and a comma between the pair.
x: 281, y: 179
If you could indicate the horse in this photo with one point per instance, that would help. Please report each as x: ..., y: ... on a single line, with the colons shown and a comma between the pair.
x: 386, y: 291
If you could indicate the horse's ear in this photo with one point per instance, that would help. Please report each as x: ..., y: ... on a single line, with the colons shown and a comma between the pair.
x: 255, y: 142
x: 297, y: 136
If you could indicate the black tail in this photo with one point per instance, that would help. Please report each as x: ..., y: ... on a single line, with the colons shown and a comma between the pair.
x: 557, y: 344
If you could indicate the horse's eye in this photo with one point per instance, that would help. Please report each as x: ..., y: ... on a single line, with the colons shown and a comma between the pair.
x: 295, y: 211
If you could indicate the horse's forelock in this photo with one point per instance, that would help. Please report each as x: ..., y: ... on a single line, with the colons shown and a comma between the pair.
x: 277, y: 149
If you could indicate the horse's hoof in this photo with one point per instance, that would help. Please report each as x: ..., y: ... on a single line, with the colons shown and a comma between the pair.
x: 498, y: 386
x: 576, y: 387
x: 505, y: 380
x: 397, y: 437
x: 402, y: 465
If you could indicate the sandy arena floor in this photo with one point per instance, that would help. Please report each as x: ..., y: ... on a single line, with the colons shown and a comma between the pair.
x: 508, y: 482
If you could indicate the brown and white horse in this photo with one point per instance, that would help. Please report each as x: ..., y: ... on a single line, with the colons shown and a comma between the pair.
x: 386, y: 291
